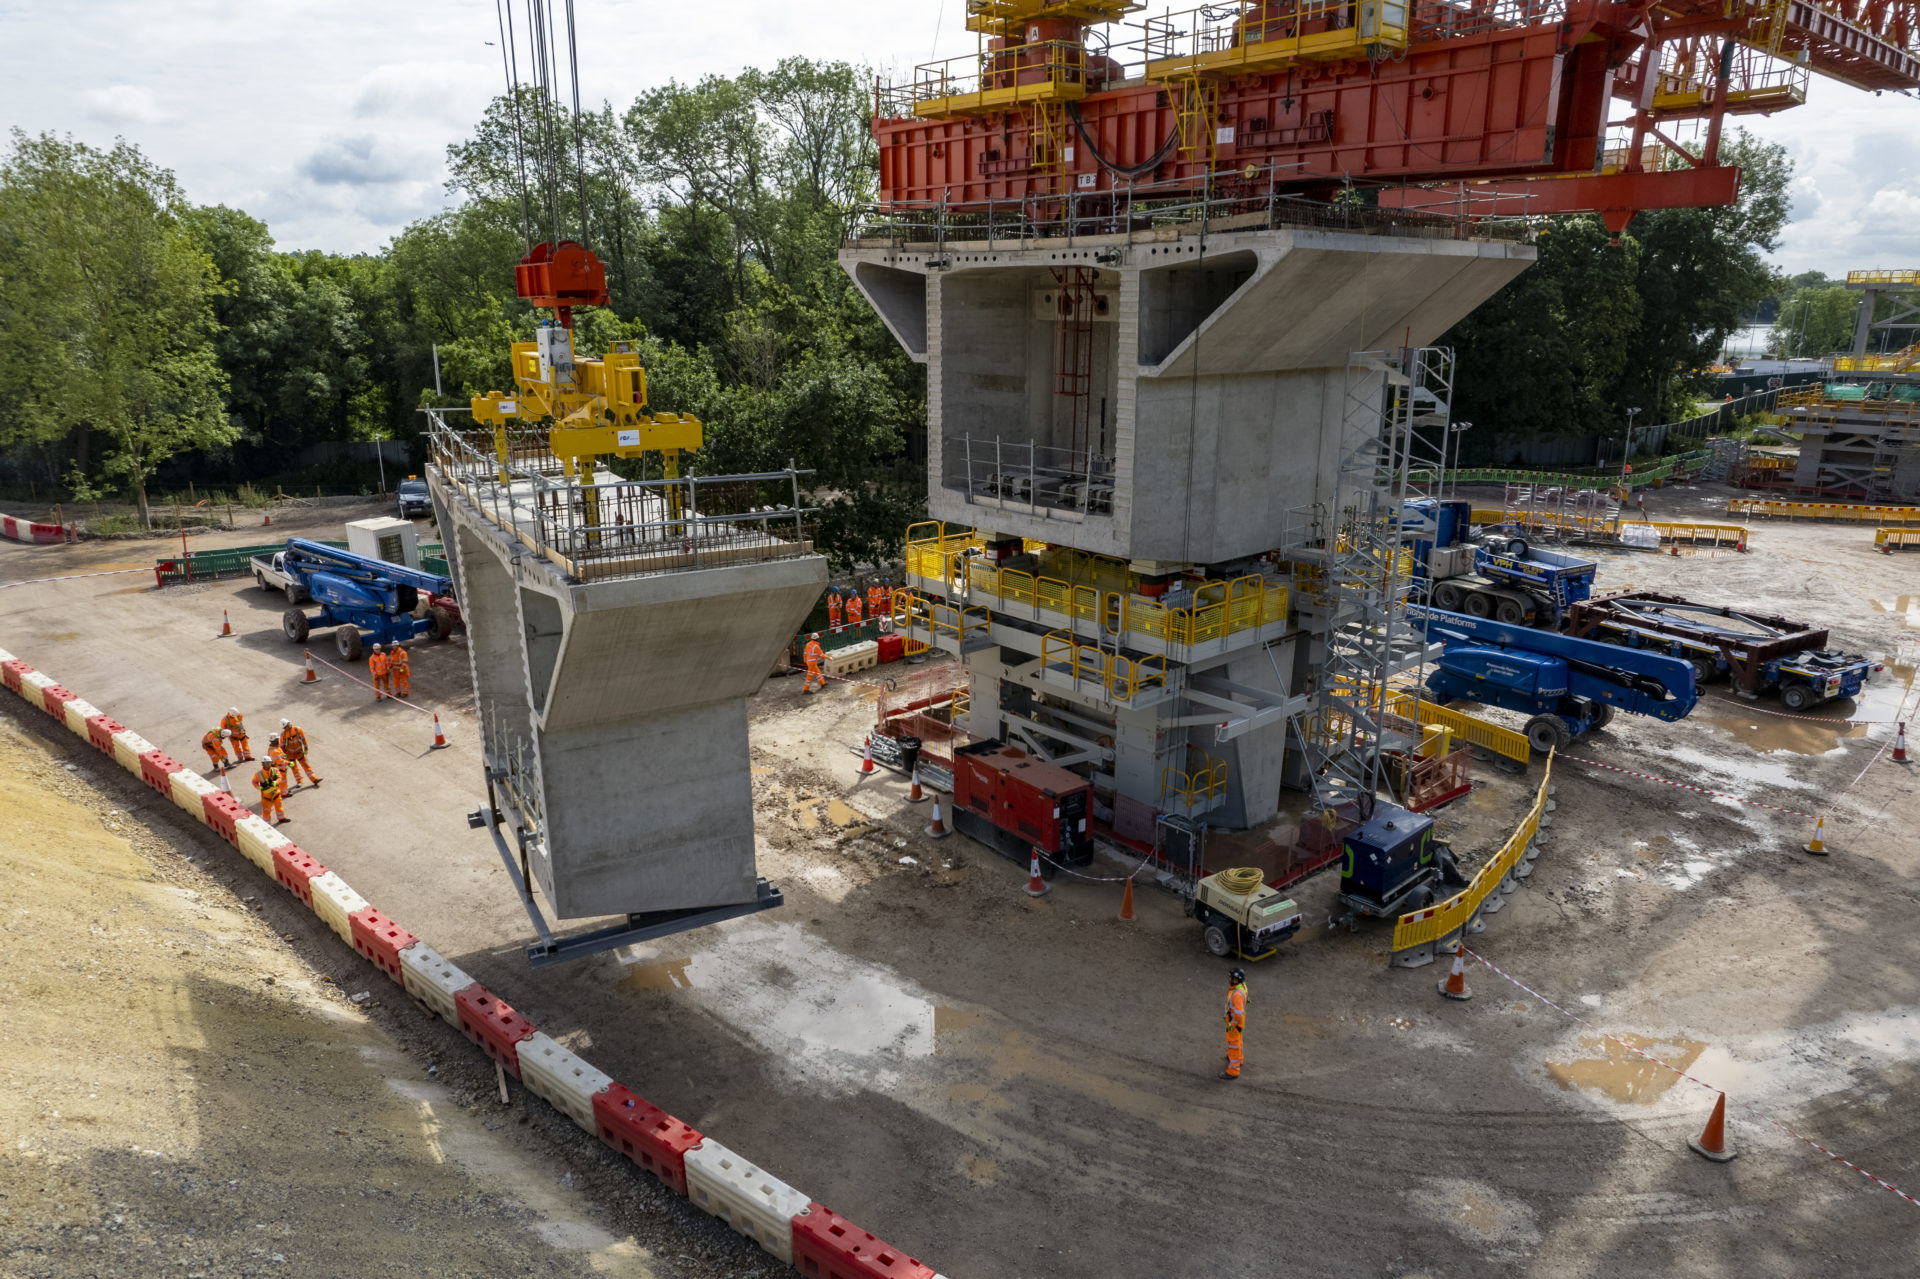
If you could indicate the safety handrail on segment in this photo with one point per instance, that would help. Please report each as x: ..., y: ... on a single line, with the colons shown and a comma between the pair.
x: 1422, y: 926
x: 1190, y: 786
x: 1468, y: 728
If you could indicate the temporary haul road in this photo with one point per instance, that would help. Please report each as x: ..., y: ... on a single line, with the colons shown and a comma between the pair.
x: 1007, y: 1086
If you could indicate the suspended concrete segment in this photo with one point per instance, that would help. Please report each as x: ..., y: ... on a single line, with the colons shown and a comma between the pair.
x: 616, y: 629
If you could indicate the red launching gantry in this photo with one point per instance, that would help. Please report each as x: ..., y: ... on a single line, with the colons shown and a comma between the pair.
x: 1448, y: 105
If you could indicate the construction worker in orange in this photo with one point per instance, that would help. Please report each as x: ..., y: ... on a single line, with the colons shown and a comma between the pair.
x: 276, y: 756
x: 273, y: 788
x: 816, y: 679
x: 853, y: 608
x: 379, y: 665
x: 214, y: 743
x: 401, y: 672
x: 833, y: 609
x: 294, y: 742
x: 1236, y: 1022
x: 876, y: 597
x: 237, y: 730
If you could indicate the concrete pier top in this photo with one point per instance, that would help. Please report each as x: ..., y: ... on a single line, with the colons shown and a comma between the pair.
x: 1168, y: 398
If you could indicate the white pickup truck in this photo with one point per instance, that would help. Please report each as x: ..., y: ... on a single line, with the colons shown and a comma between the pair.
x: 270, y: 575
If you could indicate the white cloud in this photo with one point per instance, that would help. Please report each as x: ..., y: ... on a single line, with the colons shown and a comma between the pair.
x: 123, y: 104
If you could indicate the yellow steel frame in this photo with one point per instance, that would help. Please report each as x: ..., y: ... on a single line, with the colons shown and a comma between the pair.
x: 942, y: 89
x: 1247, y: 46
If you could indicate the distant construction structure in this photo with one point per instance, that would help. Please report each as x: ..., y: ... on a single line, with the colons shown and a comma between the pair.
x: 1860, y: 429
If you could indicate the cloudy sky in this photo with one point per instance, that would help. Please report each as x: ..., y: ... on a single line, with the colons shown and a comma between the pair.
x: 329, y: 120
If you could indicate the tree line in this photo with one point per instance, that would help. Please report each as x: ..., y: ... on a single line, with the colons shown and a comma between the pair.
x: 148, y: 341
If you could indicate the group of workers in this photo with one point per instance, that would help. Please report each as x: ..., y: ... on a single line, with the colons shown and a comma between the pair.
x: 279, y: 772
x: 392, y: 675
x: 851, y: 609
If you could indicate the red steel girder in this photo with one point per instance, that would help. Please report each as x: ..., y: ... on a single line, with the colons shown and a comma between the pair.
x: 1615, y: 196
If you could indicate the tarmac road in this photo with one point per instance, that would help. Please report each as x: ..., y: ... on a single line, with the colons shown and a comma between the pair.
x: 1008, y: 1087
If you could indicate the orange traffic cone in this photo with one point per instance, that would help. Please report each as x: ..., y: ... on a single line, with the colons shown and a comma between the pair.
x: 1816, y: 845
x: 915, y: 795
x: 266, y: 519
x: 1036, y: 886
x: 1712, y: 1141
x: 311, y: 677
x: 226, y: 624
x: 866, y: 763
x: 1455, y: 986
x: 1674, y: 549
x: 1900, y: 744
x: 935, y: 829
x: 439, y: 738
x: 1126, y: 900
x: 223, y: 782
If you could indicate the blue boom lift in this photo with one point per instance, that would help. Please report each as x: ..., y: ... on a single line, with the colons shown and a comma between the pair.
x: 358, y: 593
x: 1503, y: 578
x: 1569, y: 686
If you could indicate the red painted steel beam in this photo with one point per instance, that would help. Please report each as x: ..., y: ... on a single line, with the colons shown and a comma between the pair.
x: 1615, y: 196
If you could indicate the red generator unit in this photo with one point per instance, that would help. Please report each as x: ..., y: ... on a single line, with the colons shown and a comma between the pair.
x: 1015, y: 803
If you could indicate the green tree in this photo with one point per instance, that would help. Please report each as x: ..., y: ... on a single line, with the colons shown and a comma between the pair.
x: 109, y: 298
x: 1816, y: 320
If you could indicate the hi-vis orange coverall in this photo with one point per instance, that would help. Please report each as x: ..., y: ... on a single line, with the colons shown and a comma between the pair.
x: 402, y: 673
x: 294, y: 742
x: 876, y: 600
x: 215, y: 748
x: 378, y: 664
x: 833, y: 608
x: 1236, y: 1026
x: 814, y: 655
x: 267, y: 780
x: 235, y: 725
x: 853, y: 608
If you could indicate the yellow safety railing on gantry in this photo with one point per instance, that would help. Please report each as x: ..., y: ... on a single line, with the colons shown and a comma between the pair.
x: 1122, y: 678
x: 1423, y: 926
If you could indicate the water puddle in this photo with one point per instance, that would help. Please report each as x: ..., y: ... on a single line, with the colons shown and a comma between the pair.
x: 668, y: 976
x: 1623, y: 1076
x: 1907, y: 605
x: 805, y: 813
x: 1755, y: 727
x: 59, y: 635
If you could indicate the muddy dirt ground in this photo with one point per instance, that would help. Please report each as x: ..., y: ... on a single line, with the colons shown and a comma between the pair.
x: 1008, y: 1086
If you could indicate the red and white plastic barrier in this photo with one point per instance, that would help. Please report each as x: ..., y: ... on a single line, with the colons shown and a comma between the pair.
x: 27, y: 531
x: 807, y: 1234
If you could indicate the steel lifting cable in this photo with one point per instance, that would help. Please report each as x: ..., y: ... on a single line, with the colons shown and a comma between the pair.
x: 579, y: 145
x: 510, y: 67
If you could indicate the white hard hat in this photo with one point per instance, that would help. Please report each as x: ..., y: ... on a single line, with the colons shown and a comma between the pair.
x: 226, y: 732
x: 815, y: 635
x: 376, y: 646
x: 285, y: 723
x: 233, y: 710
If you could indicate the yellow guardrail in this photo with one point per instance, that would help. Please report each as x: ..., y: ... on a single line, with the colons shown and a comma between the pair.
x: 1735, y: 535
x: 1219, y: 608
x: 1892, y: 538
x: 1468, y: 728
x: 1881, y: 275
x: 1201, y: 781
x: 1823, y: 510
x: 1121, y: 677
x: 1437, y: 921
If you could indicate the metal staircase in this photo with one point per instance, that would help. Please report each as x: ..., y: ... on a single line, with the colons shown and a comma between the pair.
x: 1393, y: 430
